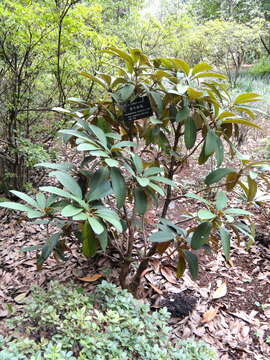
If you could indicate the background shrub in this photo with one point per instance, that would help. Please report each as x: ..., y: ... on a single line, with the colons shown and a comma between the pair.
x: 262, y: 67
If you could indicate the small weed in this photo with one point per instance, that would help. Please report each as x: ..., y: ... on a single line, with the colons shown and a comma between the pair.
x: 262, y: 306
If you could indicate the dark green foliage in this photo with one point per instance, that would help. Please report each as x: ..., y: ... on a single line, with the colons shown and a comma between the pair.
x: 128, y: 167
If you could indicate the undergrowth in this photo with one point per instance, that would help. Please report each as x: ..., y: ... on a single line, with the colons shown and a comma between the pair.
x: 262, y: 67
x: 259, y: 84
x: 64, y: 323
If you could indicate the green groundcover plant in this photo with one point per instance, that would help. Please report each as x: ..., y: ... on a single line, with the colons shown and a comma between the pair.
x: 64, y: 323
x: 129, y: 165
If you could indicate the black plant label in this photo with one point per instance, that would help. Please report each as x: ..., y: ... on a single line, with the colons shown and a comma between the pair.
x: 139, y: 108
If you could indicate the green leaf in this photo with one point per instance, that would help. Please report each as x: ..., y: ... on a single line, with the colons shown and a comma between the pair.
x: 94, y: 78
x: 99, y: 134
x: 95, y: 224
x: 246, y: 230
x: 157, y: 188
x: 124, y: 93
x: 87, y: 147
x: 217, y: 175
x: 194, y: 94
x: 190, y: 133
x: 61, y: 110
x: 112, y: 219
x: 210, y: 74
x: 210, y: 143
x: 48, y: 248
x: 138, y: 163
x: 202, y: 67
x: 140, y: 200
x: 225, y: 241
x: 80, y: 217
x: 180, y: 64
x: 100, y: 192
x: 236, y: 211
x: 105, y: 77
x: 103, y: 239
x: 85, y: 124
x: 32, y: 214
x: 159, y: 74
x: 89, y: 242
x: 119, y: 186
x: 157, y: 101
x: 252, y: 188
x: 152, y: 171
x: 205, y: 214
x: 219, y: 151
x: 231, y: 181
x: 113, y: 135
x: 122, y: 144
x: 65, y: 166
x: 25, y: 197
x: 70, y: 210
x: 57, y: 191
x: 99, y: 185
x: 221, y: 200
x: 192, y: 261
x: 241, y: 121
x: 41, y: 201
x: 100, y: 153
x: 118, y: 81
x: 163, y: 180
x: 202, y: 158
x: 68, y: 182
x: 201, y: 235
x: 143, y: 182
x: 229, y: 218
x: 225, y: 114
x: 117, y: 52
x: 15, y: 206
x: 197, y: 197
x: 247, y: 97
x: 173, y: 227
x: 77, y: 134
x: 257, y: 163
x: 182, y: 115
x: 111, y: 162
x: 181, y: 89
x: 31, y: 248
x: 51, y: 200
x: 162, y: 236
x: 77, y: 101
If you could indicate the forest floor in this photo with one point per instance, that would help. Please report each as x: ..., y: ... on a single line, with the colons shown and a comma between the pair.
x: 230, y: 301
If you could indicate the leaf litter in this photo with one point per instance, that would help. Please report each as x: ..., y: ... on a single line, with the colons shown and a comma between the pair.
x: 232, y: 307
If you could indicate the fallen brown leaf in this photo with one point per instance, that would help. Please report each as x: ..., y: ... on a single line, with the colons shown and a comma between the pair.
x: 168, y: 274
x: 3, y: 313
x: 150, y: 217
x: 209, y: 315
x: 156, y: 265
x: 146, y: 271
x: 91, y: 278
x: 220, y: 291
x: 20, y: 299
x: 157, y: 290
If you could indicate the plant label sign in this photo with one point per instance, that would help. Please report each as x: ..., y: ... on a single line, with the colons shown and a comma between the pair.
x: 137, y: 109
